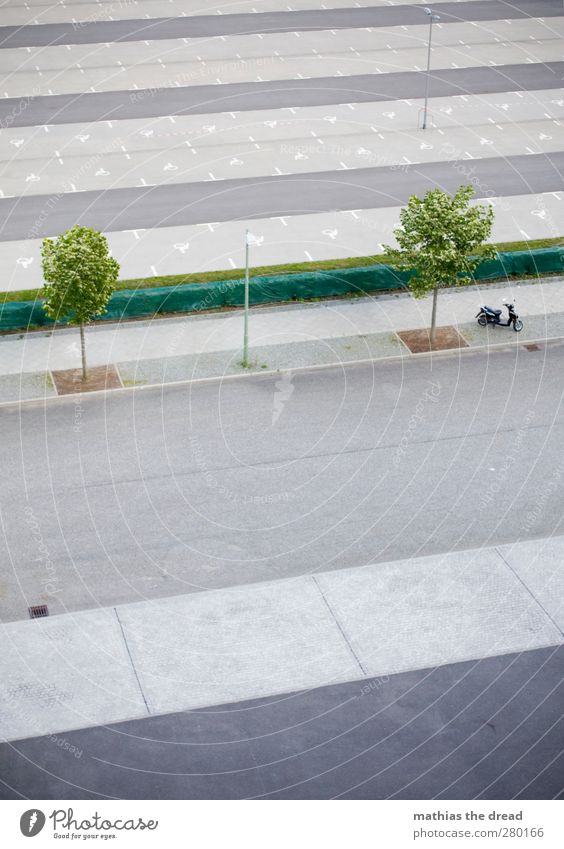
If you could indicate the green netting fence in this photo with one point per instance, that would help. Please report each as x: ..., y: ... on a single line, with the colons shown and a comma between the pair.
x: 194, y: 297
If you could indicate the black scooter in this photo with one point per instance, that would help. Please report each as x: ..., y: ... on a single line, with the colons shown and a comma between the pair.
x: 487, y: 315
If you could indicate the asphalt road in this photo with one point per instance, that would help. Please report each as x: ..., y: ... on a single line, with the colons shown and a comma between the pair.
x: 269, y: 197
x: 209, y: 26
x: 152, y: 493
x: 489, y: 729
x: 33, y: 110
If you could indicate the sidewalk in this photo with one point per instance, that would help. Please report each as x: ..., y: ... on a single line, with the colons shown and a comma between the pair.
x: 294, y: 336
x: 154, y: 657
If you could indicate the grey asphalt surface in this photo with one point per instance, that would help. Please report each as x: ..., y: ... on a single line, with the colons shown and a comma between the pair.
x: 202, y: 26
x: 274, y: 196
x: 151, y: 493
x: 491, y: 729
x: 278, y: 94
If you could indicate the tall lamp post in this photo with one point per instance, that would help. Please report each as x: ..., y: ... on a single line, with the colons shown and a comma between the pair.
x: 246, y: 318
x: 432, y: 18
x: 250, y: 239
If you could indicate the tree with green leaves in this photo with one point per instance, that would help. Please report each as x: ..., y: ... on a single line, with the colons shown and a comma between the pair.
x: 80, y: 277
x: 438, y: 237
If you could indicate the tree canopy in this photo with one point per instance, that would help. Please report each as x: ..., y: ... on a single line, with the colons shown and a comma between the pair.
x: 80, y: 275
x: 438, y: 237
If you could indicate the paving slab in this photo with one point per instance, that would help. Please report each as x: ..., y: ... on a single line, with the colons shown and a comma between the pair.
x: 65, y: 672
x: 431, y: 611
x: 20, y: 387
x: 192, y: 651
x: 540, y: 563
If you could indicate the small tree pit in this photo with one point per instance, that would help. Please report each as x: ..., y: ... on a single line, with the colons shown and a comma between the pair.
x: 69, y: 381
x: 419, y: 341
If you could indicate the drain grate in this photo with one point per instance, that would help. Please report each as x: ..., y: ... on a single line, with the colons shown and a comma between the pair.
x: 36, y: 611
x: 532, y: 348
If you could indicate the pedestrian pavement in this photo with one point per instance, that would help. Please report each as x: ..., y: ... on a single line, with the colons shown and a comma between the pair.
x: 149, y: 658
x: 285, y: 337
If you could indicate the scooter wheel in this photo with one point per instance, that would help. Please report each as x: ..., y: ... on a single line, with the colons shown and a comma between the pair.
x: 518, y: 325
x: 482, y: 321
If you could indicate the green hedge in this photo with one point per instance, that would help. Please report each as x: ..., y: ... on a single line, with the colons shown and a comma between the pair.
x: 136, y: 303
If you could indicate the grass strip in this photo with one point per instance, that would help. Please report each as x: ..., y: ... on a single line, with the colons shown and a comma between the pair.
x: 267, y: 270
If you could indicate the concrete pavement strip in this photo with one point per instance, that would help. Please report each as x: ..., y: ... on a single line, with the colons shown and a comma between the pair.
x: 210, y: 26
x: 186, y: 652
x: 41, y: 382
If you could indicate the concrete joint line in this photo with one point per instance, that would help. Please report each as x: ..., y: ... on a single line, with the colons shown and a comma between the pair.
x: 339, y: 626
x: 132, y: 663
x: 529, y: 590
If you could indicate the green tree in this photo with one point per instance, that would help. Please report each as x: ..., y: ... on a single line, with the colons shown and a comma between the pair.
x: 80, y: 277
x: 438, y: 237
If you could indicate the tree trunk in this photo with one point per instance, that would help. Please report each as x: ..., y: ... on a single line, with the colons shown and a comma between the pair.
x: 434, y: 315
x: 83, y: 352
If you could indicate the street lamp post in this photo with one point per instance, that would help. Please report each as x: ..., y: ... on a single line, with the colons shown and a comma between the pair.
x: 246, y: 318
x: 250, y: 239
x: 432, y: 19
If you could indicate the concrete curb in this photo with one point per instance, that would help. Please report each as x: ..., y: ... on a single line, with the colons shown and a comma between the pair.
x: 408, y: 356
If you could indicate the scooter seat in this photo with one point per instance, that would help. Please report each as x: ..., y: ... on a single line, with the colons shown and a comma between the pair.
x: 495, y: 312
